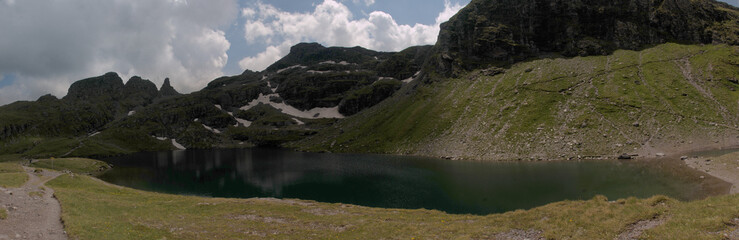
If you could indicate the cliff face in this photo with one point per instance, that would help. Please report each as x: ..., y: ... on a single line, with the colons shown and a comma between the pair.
x: 501, y: 32
x: 167, y: 89
x: 139, y: 92
x: 108, y: 86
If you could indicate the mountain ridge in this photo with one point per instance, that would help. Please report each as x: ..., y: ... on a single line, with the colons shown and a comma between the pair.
x: 492, y: 88
x: 264, y: 108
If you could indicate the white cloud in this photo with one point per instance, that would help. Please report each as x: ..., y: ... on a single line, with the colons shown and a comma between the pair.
x: 254, y: 30
x: 248, y: 12
x: 449, y: 11
x: 366, y: 2
x: 50, y: 44
x: 266, y: 58
x: 332, y: 24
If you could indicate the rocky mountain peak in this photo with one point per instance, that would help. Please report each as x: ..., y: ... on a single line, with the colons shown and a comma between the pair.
x: 47, y: 98
x: 107, y: 86
x: 302, y: 49
x: 139, y: 92
x: 167, y: 89
x: 306, y: 54
x: 136, y: 83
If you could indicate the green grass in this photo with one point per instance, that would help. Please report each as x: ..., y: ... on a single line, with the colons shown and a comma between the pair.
x: 37, y: 147
x: 12, y: 180
x: 95, y: 210
x: 119, y: 141
x: 19, y: 145
x: 556, y: 108
x: 3, y: 213
x: 10, y: 168
x: 75, y: 165
x: 12, y: 175
x: 56, y: 146
x: 11, y: 158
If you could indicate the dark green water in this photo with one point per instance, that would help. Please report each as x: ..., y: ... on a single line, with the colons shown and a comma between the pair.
x: 396, y: 181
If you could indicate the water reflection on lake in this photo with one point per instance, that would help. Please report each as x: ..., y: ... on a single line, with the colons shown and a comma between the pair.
x: 398, y: 181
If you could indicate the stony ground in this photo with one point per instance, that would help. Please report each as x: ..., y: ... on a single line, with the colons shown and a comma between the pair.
x: 33, y: 211
x: 725, y: 167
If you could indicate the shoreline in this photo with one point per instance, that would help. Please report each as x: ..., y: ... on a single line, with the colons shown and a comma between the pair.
x: 724, y: 167
x: 699, y: 160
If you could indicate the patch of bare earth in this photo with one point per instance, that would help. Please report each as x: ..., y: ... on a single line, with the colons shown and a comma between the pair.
x: 733, y: 232
x: 325, y: 211
x: 517, y: 234
x: 33, y: 211
x: 259, y: 218
x: 635, y: 230
x: 724, y: 167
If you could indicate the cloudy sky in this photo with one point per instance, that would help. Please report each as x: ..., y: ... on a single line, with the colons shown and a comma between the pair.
x: 48, y: 44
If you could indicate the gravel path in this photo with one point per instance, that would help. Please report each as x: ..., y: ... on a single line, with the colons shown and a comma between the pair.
x: 33, y: 212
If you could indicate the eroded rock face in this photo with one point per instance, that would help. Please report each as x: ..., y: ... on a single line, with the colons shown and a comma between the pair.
x: 368, y: 96
x: 313, y: 76
x: 167, y: 89
x: 500, y: 32
x: 139, y: 92
x: 107, y: 86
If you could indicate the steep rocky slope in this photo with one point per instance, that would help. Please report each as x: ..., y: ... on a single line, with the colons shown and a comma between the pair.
x: 506, y: 31
x: 297, y: 96
x: 167, y: 89
x: 664, y: 99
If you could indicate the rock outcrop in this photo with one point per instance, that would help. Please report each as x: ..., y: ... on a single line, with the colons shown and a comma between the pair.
x: 47, y: 98
x: 167, y: 89
x: 105, y: 87
x: 313, y: 53
x: 139, y: 92
x: 502, y: 32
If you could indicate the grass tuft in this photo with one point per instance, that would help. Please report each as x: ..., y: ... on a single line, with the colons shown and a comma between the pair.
x: 75, y: 165
x: 12, y: 175
x: 93, y: 209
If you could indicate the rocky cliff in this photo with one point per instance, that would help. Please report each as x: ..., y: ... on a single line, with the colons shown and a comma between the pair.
x: 167, y: 89
x: 502, y: 32
x: 107, y: 86
x: 551, y: 79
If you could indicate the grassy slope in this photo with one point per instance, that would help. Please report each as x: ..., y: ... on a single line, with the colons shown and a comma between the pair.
x: 661, y: 99
x: 75, y: 165
x: 38, y: 146
x: 106, y: 143
x: 95, y: 210
x: 12, y: 175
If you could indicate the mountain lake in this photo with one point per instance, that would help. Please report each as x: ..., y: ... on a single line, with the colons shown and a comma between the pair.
x: 389, y: 181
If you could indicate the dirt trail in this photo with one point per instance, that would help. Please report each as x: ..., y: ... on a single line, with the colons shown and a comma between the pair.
x: 33, y: 212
